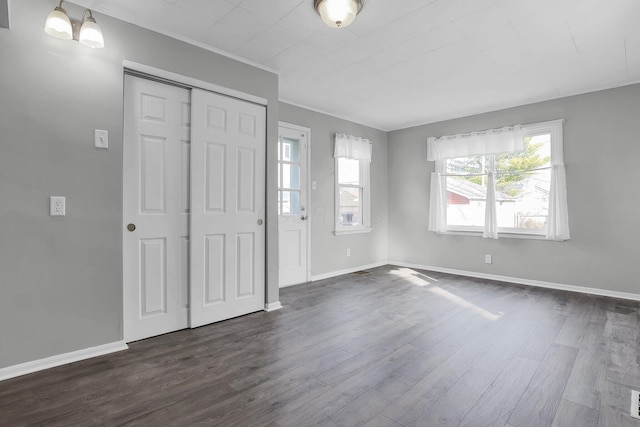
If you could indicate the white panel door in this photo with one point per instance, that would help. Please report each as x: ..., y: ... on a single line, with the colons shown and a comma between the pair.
x: 155, y: 208
x: 293, y: 216
x: 227, y: 208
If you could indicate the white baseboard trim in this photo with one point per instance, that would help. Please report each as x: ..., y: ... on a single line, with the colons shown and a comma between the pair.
x: 529, y: 282
x: 60, y: 359
x: 347, y: 271
x: 272, y: 306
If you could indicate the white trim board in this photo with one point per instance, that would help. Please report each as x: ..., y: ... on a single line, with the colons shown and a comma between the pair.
x: 529, y: 282
x: 192, y: 82
x: 347, y: 271
x: 272, y: 306
x: 61, y: 359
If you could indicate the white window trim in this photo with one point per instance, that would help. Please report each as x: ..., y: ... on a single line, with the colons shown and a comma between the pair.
x: 553, y: 127
x: 365, y: 177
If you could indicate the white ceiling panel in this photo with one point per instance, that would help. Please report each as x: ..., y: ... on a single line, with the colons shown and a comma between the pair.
x: 409, y: 62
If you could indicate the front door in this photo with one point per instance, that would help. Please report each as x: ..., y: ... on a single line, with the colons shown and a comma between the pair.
x: 293, y: 212
x: 155, y: 208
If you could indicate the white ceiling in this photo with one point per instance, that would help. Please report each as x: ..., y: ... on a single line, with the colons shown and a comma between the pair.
x: 409, y: 62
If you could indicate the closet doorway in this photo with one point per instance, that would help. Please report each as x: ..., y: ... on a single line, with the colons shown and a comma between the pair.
x: 193, y: 207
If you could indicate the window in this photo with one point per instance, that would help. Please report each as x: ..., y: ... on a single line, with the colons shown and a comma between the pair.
x: 352, y: 162
x: 509, y: 180
x: 288, y: 177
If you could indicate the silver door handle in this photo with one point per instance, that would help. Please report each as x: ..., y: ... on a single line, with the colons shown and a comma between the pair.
x: 303, y: 217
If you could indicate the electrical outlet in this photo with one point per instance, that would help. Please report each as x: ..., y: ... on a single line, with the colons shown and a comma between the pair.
x: 57, y: 206
x: 635, y: 404
x: 348, y: 252
x: 487, y: 259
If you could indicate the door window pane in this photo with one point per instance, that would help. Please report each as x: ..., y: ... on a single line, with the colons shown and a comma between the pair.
x: 290, y: 150
x: 289, y: 202
x: 290, y: 176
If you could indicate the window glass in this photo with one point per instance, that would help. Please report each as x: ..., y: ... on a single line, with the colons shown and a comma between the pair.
x: 350, y: 206
x: 522, y: 187
x: 348, y: 171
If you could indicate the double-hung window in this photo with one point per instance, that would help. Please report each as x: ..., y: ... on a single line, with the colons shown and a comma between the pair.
x: 500, y: 181
x: 352, y: 163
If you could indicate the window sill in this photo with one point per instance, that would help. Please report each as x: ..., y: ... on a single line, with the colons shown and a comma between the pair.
x: 500, y: 235
x: 356, y: 231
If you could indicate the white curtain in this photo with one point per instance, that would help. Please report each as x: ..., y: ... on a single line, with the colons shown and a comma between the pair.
x: 558, y: 223
x: 437, y: 204
x: 352, y: 147
x: 493, y: 141
x: 490, y: 214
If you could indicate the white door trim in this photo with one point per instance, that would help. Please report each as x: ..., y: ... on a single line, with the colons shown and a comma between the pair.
x: 308, y: 178
x: 191, y: 82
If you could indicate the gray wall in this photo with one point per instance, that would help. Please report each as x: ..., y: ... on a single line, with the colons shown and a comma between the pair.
x: 61, y: 277
x: 602, y: 158
x: 328, y: 252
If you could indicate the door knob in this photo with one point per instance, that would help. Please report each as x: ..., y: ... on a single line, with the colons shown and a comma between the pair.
x: 303, y: 217
x: 131, y: 227
x: 259, y: 222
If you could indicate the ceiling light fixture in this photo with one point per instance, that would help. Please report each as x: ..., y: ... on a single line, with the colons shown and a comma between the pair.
x: 338, y: 13
x: 90, y: 33
x: 60, y: 26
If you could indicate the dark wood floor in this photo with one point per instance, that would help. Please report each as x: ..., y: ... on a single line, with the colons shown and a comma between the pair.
x: 391, y: 347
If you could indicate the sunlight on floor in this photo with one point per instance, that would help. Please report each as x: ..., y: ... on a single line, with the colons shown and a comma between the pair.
x: 419, y: 279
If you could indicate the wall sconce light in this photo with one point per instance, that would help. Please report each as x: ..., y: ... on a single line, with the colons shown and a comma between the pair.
x: 60, y: 26
x: 338, y: 13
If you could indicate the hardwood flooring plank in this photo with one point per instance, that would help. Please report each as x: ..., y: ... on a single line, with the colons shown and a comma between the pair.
x: 369, y: 405
x: 410, y: 406
x: 540, y: 400
x: 572, y: 414
x: 589, y: 369
x: 615, y: 406
x: 539, y: 342
x: 382, y: 421
x: 452, y: 407
x: 497, y: 403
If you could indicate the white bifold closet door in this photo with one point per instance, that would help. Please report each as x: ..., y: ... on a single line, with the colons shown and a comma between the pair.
x: 193, y: 208
x: 227, y: 207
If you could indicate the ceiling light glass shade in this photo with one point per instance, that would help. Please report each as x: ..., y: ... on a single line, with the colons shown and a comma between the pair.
x: 338, y: 13
x: 91, y: 34
x: 58, y: 24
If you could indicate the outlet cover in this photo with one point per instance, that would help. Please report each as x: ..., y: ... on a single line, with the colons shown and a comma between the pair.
x: 57, y: 206
x: 487, y: 259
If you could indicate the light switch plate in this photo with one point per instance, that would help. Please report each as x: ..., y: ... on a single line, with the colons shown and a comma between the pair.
x: 57, y: 206
x: 101, y: 138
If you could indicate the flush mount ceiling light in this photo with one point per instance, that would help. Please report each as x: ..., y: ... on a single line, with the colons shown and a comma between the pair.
x: 60, y: 26
x: 338, y: 13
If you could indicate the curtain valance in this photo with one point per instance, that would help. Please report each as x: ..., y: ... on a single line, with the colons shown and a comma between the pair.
x: 352, y: 147
x: 508, y: 139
